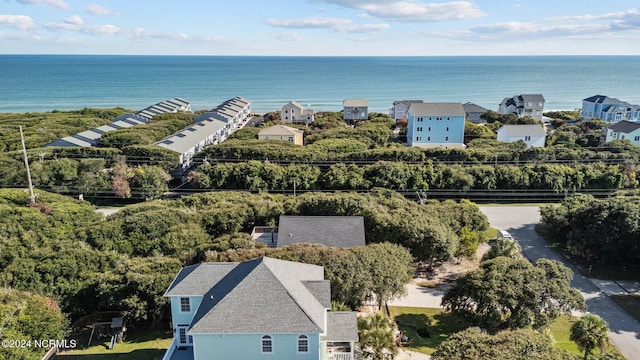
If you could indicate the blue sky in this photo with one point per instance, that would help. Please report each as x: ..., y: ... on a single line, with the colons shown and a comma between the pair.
x: 320, y: 27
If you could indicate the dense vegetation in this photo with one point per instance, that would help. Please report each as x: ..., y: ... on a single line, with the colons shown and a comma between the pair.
x: 605, y: 231
x: 61, y: 248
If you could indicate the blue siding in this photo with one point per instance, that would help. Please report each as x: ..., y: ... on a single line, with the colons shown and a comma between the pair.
x: 437, y: 130
x: 248, y: 347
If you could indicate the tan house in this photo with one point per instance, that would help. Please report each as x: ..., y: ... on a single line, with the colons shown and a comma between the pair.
x: 294, y: 113
x: 281, y: 132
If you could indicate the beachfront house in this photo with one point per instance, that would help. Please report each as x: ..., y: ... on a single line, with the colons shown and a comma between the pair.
x: 609, y: 109
x: 209, y: 128
x: 623, y: 130
x: 399, y: 109
x: 436, y: 125
x: 257, y: 309
x: 92, y: 137
x: 294, y: 113
x: 281, y: 132
x: 531, y: 105
x: 532, y: 135
x: 337, y: 231
x: 355, y: 110
x: 474, y: 112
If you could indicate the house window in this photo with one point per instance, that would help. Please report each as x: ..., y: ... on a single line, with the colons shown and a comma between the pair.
x: 267, y: 344
x: 185, y: 305
x: 420, y: 119
x: 291, y: 138
x: 447, y: 129
x: 429, y: 138
x: 527, y: 138
x: 418, y: 138
x: 419, y: 129
x: 303, y: 344
x: 446, y: 138
x: 637, y: 138
x: 429, y: 128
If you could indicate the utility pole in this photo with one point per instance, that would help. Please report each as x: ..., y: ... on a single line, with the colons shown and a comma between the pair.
x: 32, y: 196
x: 294, y: 188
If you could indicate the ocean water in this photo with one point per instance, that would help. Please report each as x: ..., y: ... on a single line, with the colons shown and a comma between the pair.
x: 64, y: 82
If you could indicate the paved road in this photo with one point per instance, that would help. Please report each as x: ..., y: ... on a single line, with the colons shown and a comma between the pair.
x: 520, y: 221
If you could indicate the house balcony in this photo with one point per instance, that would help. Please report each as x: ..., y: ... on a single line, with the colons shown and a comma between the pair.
x: 266, y: 234
x: 340, y: 356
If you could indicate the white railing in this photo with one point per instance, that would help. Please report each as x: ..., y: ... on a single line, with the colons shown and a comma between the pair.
x: 340, y: 356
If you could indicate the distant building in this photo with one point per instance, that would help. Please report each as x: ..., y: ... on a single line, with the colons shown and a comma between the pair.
x: 294, y: 113
x: 623, y: 130
x: 92, y: 137
x: 355, y: 109
x: 210, y: 128
x: 399, y: 109
x: 532, y: 135
x: 436, y: 125
x: 338, y: 231
x: 531, y: 105
x: 474, y: 112
x: 262, y: 308
x: 281, y: 132
x: 609, y: 109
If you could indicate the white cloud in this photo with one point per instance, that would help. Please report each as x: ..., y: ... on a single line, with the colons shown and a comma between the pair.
x: 55, y: 3
x: 366, y: 28
x: 414, y: 10
x: 74, y: 20
x: 309, y: 23
x: 336, y: 24
x: 20, y: 22
x: 99, y: 10
x: 288, y: 36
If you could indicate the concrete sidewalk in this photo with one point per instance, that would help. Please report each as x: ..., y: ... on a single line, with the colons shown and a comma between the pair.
x: 419, y: 296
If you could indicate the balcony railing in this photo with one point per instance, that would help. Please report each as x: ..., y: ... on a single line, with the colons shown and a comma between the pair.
x: 340, y: 356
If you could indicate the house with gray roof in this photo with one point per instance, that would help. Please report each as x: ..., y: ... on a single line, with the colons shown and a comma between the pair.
x: 336, y: 231
x: 209, y: 128
x: 435, y: 125
x: 531, y: 105
x: 474, y: 112
x: 623, y: 130
x: 355, y: 109
x: 609, y: 109
x: 532, y: 135
x: 399, y: 109
x: 262, y: 307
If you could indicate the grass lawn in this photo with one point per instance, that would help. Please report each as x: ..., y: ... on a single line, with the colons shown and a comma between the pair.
x: 630, y: 304
x: 439, y: 323
x: 442, y: 324
x: 137, y: 346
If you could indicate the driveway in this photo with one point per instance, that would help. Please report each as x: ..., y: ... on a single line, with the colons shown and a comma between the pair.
x: 520, y: 221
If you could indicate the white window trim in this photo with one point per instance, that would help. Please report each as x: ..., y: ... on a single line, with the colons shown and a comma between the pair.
x: 262, y: 338
x: 189, y: 303
x: 302, y: 337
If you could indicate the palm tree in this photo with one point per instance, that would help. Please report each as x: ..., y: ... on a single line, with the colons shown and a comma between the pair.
x: 590, y: 332
x: 377, y: 338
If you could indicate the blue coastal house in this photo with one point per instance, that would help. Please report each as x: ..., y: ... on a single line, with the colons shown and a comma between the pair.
x: 262, y: 308
x: 609, y: 109
x: 435, y: 125
x: 623, y: 130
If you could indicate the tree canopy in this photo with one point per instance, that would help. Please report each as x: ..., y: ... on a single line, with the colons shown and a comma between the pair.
x: 508, y: 293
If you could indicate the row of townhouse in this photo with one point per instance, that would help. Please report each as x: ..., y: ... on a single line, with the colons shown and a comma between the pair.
x: 211, y: 127
x: 92, y: 137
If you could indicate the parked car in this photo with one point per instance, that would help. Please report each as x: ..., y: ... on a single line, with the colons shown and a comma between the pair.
x: 504, y: 235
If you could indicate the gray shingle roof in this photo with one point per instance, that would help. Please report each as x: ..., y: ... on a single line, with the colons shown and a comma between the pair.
x: 321, y: 290
x: 524, y: 130
x: 341, y: 231
x: 341, y: 326
x: 437, y: 109
x: 196, y: 280
x: 258, y: 296
x: 473, y: 108
x: 355, y: 103
x: 534, y: 98
x: 625, y: 126
x: 279, y: 130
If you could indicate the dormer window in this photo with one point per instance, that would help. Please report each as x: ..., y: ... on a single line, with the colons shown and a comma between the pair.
x: 267, y: 344
x: 185, y: 304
